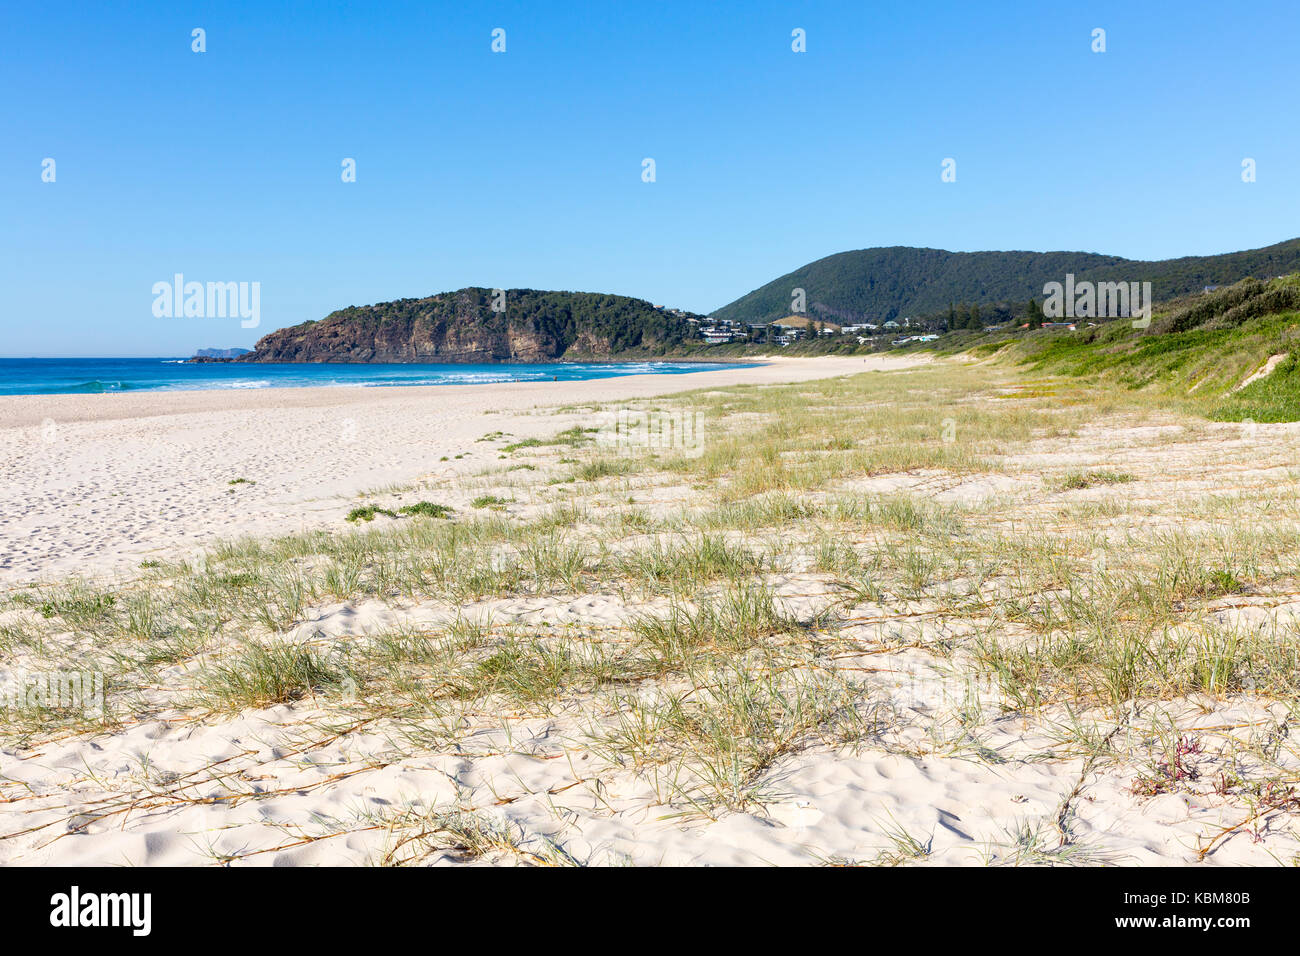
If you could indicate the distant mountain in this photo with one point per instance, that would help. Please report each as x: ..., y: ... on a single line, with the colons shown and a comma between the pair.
x: 221, y: 353
x: 473, y: 324
x: 895, y: 281
x: 463, y: 327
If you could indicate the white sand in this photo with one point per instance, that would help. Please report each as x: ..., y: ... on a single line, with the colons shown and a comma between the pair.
x: 96, y: 483
x: 129, y: 476
x: 281, y: 786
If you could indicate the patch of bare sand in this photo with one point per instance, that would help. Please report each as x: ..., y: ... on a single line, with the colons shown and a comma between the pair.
x: 97, y: 483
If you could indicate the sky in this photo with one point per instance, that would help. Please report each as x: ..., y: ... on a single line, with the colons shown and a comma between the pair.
x: 524, y: 168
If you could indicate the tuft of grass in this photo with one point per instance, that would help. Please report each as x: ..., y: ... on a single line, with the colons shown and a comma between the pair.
x: 466, y: 836
x: 683, y: 564
x: 1075, y: 480
x: 367, y: 513
x: 266, y: 674
x: 426, y: 509
x: 738, y: 721
x: 526, y: 674
x: 902, y: 847
x: 570, y: 437
x: 604, y: 468
x: 80, y: 604
x: 423, y: 509
x: 733, y: 623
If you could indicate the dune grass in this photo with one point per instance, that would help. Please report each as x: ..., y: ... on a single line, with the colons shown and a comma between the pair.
x: 770, y: 596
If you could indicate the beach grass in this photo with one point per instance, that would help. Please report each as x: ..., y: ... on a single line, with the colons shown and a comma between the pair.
x: 903, y: 563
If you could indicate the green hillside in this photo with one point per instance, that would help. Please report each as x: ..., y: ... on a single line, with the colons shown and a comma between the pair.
x: 1199, y: 350
x: 887, y: 283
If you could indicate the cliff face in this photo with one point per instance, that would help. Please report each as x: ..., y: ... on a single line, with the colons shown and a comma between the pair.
x: 461, y: 327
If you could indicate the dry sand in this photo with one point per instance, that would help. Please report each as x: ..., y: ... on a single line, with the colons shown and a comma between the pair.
x: 97, y: 483
x: 132, y: 476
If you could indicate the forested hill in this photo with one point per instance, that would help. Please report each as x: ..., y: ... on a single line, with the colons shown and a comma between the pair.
x: 462, y: 326
x: 886, y: 283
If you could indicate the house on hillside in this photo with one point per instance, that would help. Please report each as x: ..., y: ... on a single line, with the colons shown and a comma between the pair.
x: 783, y: 334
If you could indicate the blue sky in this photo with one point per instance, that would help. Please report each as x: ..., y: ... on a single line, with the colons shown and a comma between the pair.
x: 523, y: 169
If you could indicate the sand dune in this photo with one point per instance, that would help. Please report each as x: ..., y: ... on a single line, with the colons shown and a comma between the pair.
x: 844, y: 639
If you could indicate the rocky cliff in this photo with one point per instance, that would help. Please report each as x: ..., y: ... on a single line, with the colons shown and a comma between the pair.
x: 464, y: 326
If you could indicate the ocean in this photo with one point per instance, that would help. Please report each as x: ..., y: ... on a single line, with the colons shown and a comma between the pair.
x: 81, y: 376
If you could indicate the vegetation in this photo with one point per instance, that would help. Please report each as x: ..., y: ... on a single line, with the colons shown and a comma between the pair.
x: 1199, y: 352
x: 888, y: 283
x: 424, y: 509
x: 466, y: 326
x: 1040, y: 568
x: 958, y: 293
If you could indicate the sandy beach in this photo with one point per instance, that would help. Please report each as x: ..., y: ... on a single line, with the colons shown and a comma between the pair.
x: 440, y: 435
x: 883, y: 619
x: 94, y: 484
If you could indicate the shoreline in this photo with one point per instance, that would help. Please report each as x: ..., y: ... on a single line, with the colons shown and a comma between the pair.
x: 5, y: 419
x: 275, y: 383
x: 590, y: 360
x: 20, y: 411
x: 94, y: 483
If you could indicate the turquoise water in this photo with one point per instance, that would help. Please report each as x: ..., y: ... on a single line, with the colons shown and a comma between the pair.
x: 40, y: 376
